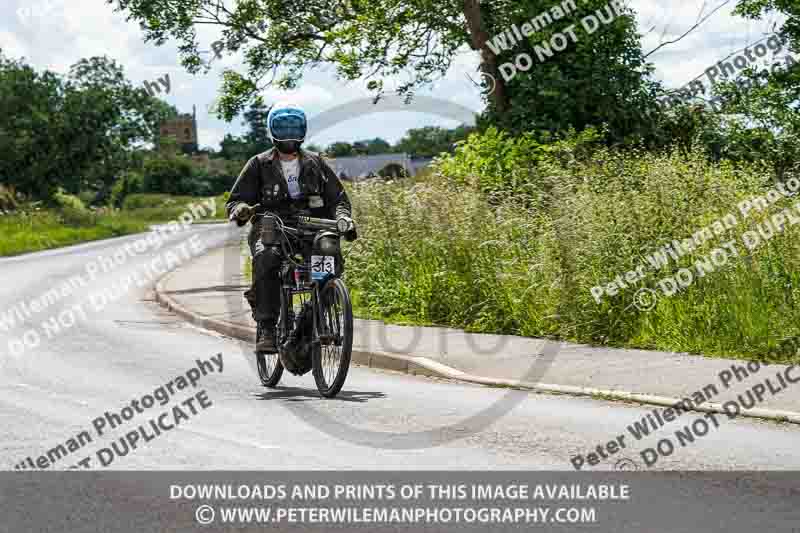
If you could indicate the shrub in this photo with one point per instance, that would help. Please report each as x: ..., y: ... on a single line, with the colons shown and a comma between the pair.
x: 129, y: 183
x: 501, y: 166
x: 68, y: 201
x: 8, y: 200
x: 453, y: 250
x: 166, y: 174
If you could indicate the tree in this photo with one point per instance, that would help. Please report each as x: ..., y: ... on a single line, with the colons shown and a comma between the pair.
x: 378, y: 146
x: 77, y: 132
x: 258, y: 133
x: 762, y: 120
x: 599, y: 78
x: 30, y: 123
x: 756, y: 9
x: 381, y: 38
x: 111, y: 118
x: 340, y: 149
x: 234, y: 148
x: 788, y: 78
x: 167, y: 173
x: 430, y: 141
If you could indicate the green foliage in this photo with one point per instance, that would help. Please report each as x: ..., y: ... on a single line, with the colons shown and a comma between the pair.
x: 255, y: 141
x: 232, y: 147
x: 72, y: 209
x: 764, y: 123
x: 77, y: 132
x: 69, y: 201
x: 167, y: 174
x: 32, y: 230
x: 340, y: 149
x: 372, y: 147
x: 165, y: 207
x: 258, y: 131
x: 601, y: 78
x: 790, y: 9
x: 499, y: 165
x: 362, y: 40
x: 439, y: 252
x: 8, y: 198
x: 430, y: 141
x: 129, y: 183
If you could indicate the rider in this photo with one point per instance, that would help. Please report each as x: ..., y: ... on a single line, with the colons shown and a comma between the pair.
x: 285, y: 180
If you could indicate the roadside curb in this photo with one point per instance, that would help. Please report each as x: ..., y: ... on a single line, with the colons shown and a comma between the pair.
x: 424, y: 366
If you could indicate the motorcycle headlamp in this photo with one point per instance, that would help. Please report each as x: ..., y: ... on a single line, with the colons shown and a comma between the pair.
x: 327, y: 244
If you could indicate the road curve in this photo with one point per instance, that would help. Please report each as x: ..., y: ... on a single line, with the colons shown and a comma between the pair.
x: 130, y: 347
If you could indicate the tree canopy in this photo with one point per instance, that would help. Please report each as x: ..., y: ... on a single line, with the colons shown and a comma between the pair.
x: 598, y: 79
x: 75, y: 132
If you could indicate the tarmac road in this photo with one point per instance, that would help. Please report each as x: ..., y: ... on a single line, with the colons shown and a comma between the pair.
x: 130, y: 347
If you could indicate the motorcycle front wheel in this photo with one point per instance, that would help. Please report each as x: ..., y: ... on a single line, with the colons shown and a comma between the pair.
x: 331, y: 355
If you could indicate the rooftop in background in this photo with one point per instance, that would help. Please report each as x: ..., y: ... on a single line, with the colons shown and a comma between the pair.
x: 360, y: 167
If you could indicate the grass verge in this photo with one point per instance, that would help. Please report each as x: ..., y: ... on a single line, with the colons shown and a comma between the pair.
x: 33, y: 229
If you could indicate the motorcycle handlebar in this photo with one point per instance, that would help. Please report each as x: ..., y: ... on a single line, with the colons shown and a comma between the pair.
x: 319, y: 223
x: 308, y: 223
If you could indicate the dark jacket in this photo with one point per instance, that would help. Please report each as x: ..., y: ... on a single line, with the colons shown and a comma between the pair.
x: 262, y: 182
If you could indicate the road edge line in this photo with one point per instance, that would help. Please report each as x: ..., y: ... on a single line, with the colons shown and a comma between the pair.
x: 417, y: 365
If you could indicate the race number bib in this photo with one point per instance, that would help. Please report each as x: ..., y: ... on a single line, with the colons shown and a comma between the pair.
x: 322, y: 265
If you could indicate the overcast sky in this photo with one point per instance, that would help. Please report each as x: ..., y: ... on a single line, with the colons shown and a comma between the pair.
x: 54, y: 34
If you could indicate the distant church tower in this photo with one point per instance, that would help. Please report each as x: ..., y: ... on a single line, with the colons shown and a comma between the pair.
x: 183, y: 129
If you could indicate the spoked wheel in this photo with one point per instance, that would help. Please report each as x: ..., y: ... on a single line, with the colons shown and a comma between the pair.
x: 270, y: 369
x: 335, y: 333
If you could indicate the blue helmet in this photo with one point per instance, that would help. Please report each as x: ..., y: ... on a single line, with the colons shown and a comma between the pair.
x: 287, y: 122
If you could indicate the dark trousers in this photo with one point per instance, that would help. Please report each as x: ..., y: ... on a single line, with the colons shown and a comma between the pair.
x: 264, y: 295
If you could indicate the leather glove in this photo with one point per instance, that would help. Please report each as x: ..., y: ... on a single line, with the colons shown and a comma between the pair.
x: 242, y: 213
x: 349, y: 221
x: 351, y: 234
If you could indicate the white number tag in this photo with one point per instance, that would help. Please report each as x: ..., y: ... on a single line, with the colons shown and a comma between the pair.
x: 322, y: 265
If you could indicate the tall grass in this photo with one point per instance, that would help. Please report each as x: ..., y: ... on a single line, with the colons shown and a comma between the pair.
x: 467, y: 249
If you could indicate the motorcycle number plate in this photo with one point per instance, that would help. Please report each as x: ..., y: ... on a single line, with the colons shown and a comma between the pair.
x: 322, y: 265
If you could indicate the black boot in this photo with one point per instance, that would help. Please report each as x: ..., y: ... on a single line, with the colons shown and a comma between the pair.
x: 265, y: 338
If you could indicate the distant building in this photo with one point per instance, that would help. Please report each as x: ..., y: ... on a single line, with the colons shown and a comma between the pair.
x: 183, y: 129
x: 361, y: 167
